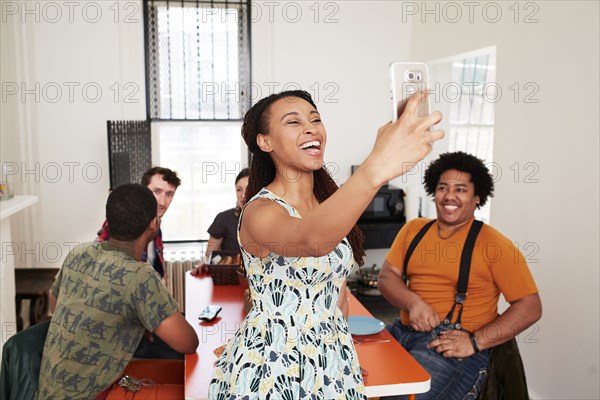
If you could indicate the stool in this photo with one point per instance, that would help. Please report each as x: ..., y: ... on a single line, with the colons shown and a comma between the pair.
x: 33, y: 284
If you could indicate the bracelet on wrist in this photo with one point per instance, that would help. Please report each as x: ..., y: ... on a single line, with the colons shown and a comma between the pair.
x: 474, y: 342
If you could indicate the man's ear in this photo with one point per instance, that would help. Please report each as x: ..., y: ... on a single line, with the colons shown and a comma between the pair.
x: 264, y: 142
x: 154, y: 225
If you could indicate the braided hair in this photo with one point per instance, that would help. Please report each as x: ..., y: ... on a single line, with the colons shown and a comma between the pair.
x: 262, y: 168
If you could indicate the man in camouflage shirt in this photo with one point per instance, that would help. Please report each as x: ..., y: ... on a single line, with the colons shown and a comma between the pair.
x: 106, y: 299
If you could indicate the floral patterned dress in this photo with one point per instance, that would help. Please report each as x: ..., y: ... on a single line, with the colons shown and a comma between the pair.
x: 294, y: 342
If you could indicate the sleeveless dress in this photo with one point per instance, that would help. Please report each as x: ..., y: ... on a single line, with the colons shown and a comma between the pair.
x: 294, y: 342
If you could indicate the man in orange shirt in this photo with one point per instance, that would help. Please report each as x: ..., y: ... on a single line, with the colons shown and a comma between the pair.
x: 452, y: 340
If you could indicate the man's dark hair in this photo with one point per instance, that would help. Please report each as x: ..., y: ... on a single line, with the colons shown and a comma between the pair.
x: 129, y: 210
x: 463, y: 162
x: 167, y: 175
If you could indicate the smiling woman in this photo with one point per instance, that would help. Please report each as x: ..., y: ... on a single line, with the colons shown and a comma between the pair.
x: 299, y: 242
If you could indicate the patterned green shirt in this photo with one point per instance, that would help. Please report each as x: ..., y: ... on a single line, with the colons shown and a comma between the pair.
x: 106, y: 300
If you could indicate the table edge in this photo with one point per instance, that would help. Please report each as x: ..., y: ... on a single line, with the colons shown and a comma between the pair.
x: 392, y: 390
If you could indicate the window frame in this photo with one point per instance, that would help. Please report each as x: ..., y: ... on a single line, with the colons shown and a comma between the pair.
x: 147, y: 61
x: 156, y: 153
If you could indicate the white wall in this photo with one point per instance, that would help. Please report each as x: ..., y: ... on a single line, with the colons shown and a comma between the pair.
x: 56, y: 137
x: 558, y: 215
x: 348, y: 61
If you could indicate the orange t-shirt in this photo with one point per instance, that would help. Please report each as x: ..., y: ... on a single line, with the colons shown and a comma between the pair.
x: 497, y: 267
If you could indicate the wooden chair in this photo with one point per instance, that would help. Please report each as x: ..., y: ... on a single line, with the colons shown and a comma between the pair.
x: 33, y: 284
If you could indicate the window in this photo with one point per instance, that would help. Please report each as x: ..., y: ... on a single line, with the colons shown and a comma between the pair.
x: 207, y: 156
x: 198, y: 59
x: 198, y: 81
x: 466, y: 83
x: 472, y: 117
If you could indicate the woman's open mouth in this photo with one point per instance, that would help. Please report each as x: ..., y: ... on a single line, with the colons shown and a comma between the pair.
x: 313, y: 147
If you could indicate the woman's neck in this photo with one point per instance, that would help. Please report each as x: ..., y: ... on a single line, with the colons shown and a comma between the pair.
x: 295, y: 187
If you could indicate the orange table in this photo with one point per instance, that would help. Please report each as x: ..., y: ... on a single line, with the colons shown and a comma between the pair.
x: 391, y: 370
x: 199, y: 293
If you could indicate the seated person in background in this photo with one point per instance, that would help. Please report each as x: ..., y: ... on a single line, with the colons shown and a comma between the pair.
x: 163, y: 183
x: 223, y: 231
x: 456, y: 356
x: 106, y: 299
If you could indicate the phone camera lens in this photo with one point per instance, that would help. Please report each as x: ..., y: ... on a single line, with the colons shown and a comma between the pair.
x: 411, y: 76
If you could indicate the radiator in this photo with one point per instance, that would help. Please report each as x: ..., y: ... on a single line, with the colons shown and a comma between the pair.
x: 177, y: 263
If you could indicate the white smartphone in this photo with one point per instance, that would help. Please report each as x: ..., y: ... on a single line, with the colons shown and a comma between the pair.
x: 407, y: 78
x: 209, y: 313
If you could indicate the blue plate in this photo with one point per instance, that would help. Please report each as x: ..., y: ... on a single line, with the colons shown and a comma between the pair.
x: 361, y: 325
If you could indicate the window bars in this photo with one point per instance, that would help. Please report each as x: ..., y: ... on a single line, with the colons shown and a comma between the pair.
x: 197, y: 59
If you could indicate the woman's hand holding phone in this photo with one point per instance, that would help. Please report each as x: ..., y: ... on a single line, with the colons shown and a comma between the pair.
x: 406, y: 79
x: 403, y: 143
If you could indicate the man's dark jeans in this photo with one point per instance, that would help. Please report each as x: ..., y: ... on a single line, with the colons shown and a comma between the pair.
x: 451, y: 378
x: 157, y: 348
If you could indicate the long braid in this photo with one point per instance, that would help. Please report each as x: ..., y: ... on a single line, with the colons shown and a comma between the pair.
x: 324, y: 187
x: 262, y: 168
x: 262, y: 172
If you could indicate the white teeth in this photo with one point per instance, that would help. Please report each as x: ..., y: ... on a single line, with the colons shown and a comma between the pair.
x: 315, y: 143
x: 450, y: 207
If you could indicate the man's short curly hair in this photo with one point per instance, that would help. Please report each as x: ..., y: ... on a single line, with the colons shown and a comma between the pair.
x: 463, y: 162
x: 167, y: 175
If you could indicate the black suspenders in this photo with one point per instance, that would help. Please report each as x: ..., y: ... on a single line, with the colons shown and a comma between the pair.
x: 463, y: 273
x: 413, y: 246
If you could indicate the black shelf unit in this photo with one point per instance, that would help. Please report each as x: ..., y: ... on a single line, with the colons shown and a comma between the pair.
x: 380, y: 234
